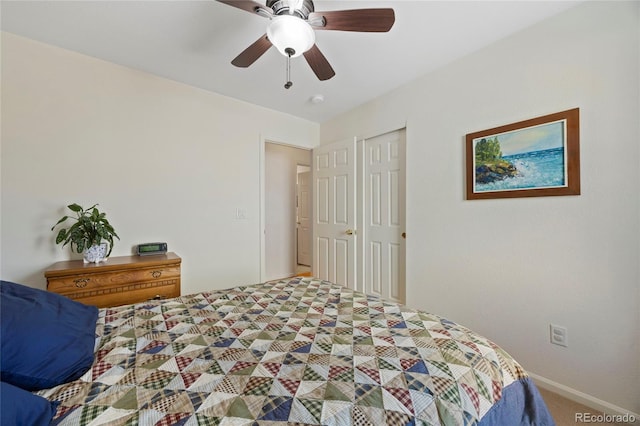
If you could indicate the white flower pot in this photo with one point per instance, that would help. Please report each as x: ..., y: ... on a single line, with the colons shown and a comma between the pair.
x: 95, y: 253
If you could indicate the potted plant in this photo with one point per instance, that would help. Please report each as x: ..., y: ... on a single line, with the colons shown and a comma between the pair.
x: 91, y: 234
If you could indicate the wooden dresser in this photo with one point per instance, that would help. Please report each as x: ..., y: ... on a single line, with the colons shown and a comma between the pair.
x: 118, y: 281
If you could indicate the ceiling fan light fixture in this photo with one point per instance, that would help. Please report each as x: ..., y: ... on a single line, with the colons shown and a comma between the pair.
x: 290, y: 32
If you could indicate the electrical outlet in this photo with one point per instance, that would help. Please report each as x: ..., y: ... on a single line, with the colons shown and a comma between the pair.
x: 559, y: 335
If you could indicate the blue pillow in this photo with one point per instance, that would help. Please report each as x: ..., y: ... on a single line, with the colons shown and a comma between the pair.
x: 46, y: 339
x: 21, y: 408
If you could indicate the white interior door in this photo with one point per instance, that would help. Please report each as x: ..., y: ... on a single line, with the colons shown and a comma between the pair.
x: 384, y: 216
x: 304, y: 218
x: 334, y: 218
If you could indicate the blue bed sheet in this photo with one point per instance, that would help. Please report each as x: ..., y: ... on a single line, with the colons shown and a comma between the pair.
x: 521, y: 404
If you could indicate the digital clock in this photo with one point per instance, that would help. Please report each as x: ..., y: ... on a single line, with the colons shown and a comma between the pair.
x: 148, y: 249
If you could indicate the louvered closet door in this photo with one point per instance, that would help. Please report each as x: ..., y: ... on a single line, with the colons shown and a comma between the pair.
x: 384, y: 220
x: 334, y: 219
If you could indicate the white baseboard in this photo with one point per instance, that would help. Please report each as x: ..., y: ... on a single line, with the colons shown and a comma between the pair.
x: 582, y: 398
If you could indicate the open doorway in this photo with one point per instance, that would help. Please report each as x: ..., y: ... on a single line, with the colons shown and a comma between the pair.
x: 304, y: 230
x: 281, y: 210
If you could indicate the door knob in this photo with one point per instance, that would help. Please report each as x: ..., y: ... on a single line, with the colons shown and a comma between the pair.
x: 404, y: 235
x: 350, y: 232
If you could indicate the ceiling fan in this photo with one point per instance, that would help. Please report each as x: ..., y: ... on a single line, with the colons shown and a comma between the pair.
x: 291, y: 30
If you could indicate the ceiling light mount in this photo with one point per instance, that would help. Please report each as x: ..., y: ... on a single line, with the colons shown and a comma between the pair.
x: 299, y: 8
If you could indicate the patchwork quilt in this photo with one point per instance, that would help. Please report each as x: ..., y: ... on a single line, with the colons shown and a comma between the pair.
x: 299, y: 351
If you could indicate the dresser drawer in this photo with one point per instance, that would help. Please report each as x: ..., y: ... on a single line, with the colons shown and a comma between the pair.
x: 128, y: 293
x: 97, y: 281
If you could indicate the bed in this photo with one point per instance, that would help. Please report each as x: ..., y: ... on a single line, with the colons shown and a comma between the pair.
x: 297, y: 351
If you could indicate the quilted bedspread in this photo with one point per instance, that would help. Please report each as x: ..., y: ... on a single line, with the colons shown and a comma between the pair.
x: 300, y: 351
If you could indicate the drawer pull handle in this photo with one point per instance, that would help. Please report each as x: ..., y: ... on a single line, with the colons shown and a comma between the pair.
x: 156, y: 274
x: 81, y: 282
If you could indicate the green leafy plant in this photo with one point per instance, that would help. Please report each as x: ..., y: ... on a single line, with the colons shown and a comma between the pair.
x: 91, y: 227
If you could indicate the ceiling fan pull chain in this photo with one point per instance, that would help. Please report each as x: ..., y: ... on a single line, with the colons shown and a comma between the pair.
x: 289, y: 51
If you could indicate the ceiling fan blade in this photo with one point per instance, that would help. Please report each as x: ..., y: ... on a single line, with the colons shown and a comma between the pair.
x: 319, y: 63
x: 249, y: 6
x: 364, y: 20
x: 252, y: 53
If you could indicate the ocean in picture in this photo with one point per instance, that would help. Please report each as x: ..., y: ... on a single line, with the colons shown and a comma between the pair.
x: 536, y: 169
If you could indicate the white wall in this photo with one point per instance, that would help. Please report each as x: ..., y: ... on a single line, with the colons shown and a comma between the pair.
x: 172, y: 163
x: 508, y: 268
x: 281, y: 168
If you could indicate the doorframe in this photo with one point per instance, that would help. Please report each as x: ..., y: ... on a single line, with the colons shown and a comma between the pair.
x: 263, y: 140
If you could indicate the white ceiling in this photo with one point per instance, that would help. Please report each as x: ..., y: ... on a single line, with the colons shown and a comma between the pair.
x: 194, y: 42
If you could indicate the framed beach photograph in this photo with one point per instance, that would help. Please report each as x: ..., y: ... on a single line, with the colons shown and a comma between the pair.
x: 533, y: 158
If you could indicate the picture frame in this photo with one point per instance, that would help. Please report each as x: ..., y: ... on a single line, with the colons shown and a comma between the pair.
x: 538, y: 157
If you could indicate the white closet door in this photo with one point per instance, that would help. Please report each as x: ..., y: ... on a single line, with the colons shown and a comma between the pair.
x: 334, y: 219
x: 384, y: 216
